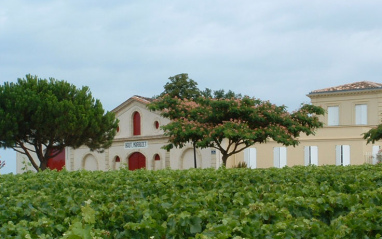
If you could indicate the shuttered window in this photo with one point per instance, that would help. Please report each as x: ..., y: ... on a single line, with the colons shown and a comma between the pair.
x: 250, y: 157
x: 279, y: 157
x: 361, y: 114
x: 342, y: 155
x: 333, y: 115
x: 311, y: 155
x: 375, y: 151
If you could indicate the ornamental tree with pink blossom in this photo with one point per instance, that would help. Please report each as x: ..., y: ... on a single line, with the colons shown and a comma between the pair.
x: 232, y: 124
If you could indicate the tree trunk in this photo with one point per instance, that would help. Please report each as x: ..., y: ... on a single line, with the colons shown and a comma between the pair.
x: 225, y: 158
x: 43, y: 164
x: 195, y: 156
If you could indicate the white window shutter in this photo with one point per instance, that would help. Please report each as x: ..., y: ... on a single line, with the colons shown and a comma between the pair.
x: 306, y: 155
x: 283, y: 157
x: 246, y: 156
x: 338, y: 154
x: 375, y: 151
x: 314, y: 155
x: 252, y: 158
x: 276, y: 157
x: 346, y: 154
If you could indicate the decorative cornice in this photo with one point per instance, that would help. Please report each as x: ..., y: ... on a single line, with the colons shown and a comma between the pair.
x: 343, y: 92
x: 352, y: 86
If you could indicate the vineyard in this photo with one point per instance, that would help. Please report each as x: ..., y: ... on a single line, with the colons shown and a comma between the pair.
x: 296, y: 202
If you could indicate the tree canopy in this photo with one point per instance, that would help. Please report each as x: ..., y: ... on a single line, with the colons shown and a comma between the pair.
x: 232, y: 124
x: 44, y: 116
x: 373, y: 134
x: 182, y: 87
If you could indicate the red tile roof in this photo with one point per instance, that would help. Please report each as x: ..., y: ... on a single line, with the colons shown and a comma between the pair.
x: 142, y: 99
x: 361, y: 85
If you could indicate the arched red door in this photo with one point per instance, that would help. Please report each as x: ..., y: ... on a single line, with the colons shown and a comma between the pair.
x: 58, y: 161
x: 137, y: 161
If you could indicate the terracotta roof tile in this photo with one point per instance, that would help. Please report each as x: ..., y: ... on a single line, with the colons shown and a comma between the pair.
x: 361, y: 85
x: 142, y: 99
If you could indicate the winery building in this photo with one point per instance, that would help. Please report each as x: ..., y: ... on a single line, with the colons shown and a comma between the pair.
x: 352, y: 110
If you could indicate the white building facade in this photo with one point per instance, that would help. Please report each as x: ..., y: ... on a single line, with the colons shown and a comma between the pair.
x: 137, y: 144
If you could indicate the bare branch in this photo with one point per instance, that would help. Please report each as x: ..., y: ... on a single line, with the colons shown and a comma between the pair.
x: 29, y: 156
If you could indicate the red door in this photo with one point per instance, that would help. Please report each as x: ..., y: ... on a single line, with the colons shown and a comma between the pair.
x: 58, y: 161
x: 137, y: 161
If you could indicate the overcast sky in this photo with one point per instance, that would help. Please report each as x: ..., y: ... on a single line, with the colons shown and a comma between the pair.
x: 273, y: 50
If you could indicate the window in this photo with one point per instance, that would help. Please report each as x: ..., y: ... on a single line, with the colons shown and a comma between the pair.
x: 117, y: 163
x: 250, y: 157
x: 156, y: 157
x: 333, y: 115
x: 375, y: 151
x: 311, y: 155
x: 136, y: 123
x: 279, y: 157
x: 156, y: 125
x: 342, y: 155
x: 360, y: 114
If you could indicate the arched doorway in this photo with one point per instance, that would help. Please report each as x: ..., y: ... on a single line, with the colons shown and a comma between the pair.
x: 137, y: 161
x: 157, y: 164
x: 116, y: 163
x: 90, y: 163
x: 187, y: 159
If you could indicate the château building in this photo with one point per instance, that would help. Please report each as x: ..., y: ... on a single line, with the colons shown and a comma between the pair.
x: 352, y: 110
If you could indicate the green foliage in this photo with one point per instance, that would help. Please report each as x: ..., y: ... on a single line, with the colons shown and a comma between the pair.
x: 219, y: 94
x: 85, y: 227
x: 242, y: 122
x: 181, y: 86
x: 373, y: 134
x: 241, y: 165
x: 49, y: 115
x: 206, y: 120
x: 296, y: 202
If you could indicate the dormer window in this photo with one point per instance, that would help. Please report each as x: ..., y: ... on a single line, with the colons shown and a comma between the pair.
x: 136, y: 123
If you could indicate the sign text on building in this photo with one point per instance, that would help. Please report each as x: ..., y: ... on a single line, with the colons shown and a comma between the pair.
x: 136, y: 145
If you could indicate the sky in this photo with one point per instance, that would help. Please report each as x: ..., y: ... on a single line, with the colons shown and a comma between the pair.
x: 274, y: 50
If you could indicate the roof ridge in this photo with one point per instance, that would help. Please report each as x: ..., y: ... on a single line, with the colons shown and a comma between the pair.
x: 138, y: 97
x: 144, y: 100
x: 359, y: 85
